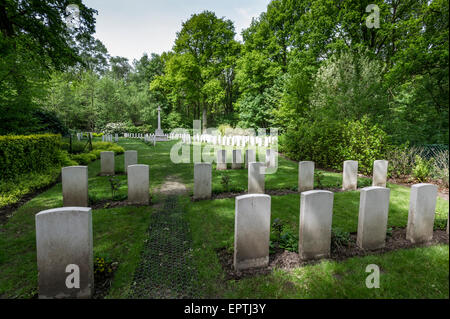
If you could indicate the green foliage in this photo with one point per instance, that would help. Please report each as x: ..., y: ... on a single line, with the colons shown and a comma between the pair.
x: 225, y: 181
x: 339, y: 239
x: 282, y: 236
x: 21, y: 154
x: 422, y: 169
x: 84, y: 158
x: 318, y: 176
x: 115, y: 183
x: 98, y: 147
x: 328, y: 144
x: 35, y: 40
x: 12, y: 190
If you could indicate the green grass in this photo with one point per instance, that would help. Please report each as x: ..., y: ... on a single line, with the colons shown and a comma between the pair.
x: 119, y: 236
x: 410, y: 273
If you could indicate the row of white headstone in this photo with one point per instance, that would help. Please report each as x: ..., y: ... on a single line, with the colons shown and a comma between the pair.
x: 75, y: 180
x: 253, y: 214
x: 146, y: 136
x: 109, y: 138
x: 256, y: 176
x: 64, y: 236
x: 227, y: 140
x: 81, y: 135
x: 237, y: 159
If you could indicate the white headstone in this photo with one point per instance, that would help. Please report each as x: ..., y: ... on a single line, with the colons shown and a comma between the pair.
x: 202, y: 180
x: 305, y: 176
x: 256, y: 178
x: 75, y: 186
x: 373, y: 217
x: 130, y: 158
x: 250, y: 156
x: 221, y: 160
x: 64, y: 253
x: 107, y: 163
x: 350, y: 175
x: 316, y: 210
x: 237, y: 159
x: 138, y: 184
x: 422, y: 207
x: 251, y: 231
x: 380, y: 168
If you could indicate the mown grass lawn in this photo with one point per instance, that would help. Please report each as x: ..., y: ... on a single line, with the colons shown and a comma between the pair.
x: 119, y: 235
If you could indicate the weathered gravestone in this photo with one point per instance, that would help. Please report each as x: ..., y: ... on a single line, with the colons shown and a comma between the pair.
x: 256, y: 178
x: 373, y: 217
x: 107, y: 163
x: 380, y: 168
x: 251, y: 231
x: 130, y: 158
x: 250, y: 156
x: 305, y: 176
x: 237, y: 159
x: 64, y: 253
x: 75, y: 186
x: 138, y: 184
x: 422, y: 206
x: 350, y: 175
x: 221, y: 160
x: 316, y: 209
x: 270, y: 157
x: 202, y: 180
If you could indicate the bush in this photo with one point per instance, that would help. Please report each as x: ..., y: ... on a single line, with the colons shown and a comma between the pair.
x: 21, y: 154
x: 116, y: 149
x: 329, y: 144
x: 422, y: 169
x: 401, y: 160
x: 84, y: 158
x: 440, y: 170
x: 102, y: 145
x: 65, y: 160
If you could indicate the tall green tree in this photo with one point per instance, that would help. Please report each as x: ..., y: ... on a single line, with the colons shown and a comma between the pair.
x: 34, y: 40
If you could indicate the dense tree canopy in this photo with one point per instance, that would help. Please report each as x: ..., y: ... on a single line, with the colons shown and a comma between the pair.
x: 300, y: 63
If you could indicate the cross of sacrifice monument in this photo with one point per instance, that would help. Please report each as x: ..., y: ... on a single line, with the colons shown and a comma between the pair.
x: 159, y: 133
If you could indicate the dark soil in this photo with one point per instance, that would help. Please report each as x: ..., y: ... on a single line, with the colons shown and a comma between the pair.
x: 7, y: 211
x: 108, y: 203
x: 288, y: 260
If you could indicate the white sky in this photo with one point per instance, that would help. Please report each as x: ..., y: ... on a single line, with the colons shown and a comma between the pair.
x: 130, y: 28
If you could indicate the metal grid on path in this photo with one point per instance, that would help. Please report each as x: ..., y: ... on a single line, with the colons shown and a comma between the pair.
x: 166, y: 269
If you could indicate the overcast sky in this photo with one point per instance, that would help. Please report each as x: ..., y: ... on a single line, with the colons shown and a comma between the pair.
x: 131, y: 27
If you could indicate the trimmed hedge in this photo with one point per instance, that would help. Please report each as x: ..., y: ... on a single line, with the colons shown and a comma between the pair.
x: 21, y: 154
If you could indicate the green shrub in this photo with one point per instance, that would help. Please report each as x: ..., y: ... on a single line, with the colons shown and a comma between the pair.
x: 65, y: 160
x: 97, y: 134
x: 116, y: 149
x: 97, y: 153
x: 21, y: 154
x: 329, y: 144
x: 84, y: 158
x: 12, y: 190
x: 401, y: 159
x: 422, y: 169
x: 101, y: 145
